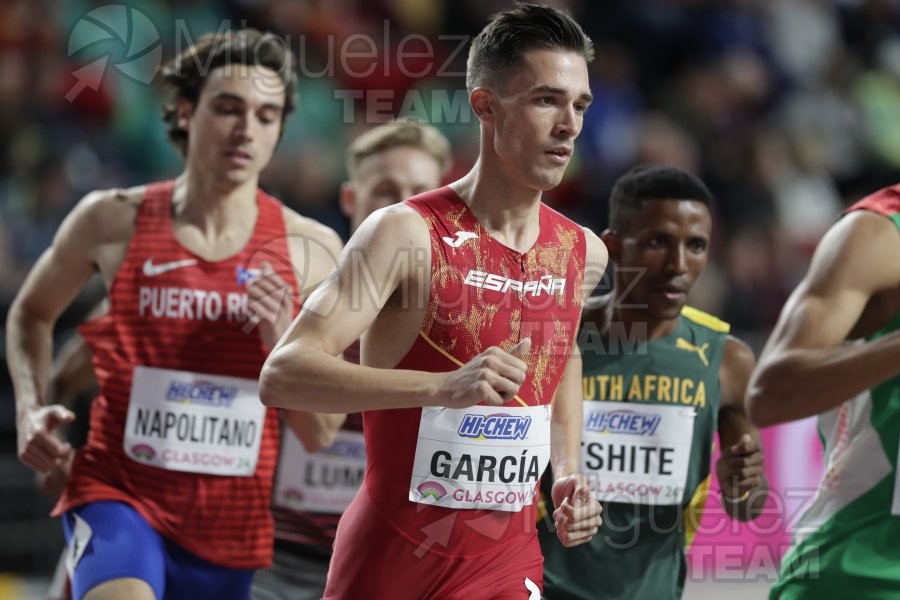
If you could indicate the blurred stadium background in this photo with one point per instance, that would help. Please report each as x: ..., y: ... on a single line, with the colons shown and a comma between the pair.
x: 789, y: 109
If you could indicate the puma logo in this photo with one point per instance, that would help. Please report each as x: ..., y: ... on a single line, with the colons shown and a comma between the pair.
x: 151, y: 270
x: 461, y: 238
x: 683, y: 344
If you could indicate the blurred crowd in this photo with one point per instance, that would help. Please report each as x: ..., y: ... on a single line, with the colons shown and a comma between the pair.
x: 788, y: 109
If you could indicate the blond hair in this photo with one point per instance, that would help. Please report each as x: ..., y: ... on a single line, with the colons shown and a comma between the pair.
x: 394, y: 134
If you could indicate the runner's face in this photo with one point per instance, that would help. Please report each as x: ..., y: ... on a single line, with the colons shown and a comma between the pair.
x: 389, y: 177
x: 235, y: 125
x: 539, y: 114
x: 661, y: 254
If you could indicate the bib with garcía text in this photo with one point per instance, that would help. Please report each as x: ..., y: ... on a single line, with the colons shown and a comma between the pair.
x: 322, y: 482
x: 193, y: 422
x: 483, y: 457
x: 637, y: 453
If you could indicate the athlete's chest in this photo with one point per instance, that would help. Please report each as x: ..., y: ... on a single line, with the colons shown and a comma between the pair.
x: 484, y: 295
x: 166, y: 282
x: 229, y: 241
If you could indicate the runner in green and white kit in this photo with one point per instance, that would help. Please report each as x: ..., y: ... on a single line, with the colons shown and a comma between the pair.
x: 835, y: 353
x: 659, y: 379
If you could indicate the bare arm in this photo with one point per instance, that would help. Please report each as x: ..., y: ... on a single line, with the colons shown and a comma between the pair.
x: 804, y: 370
x: 314, y: 249
x: 72, y: 372
x: 740, y: 466
x: 566, y: 420
x: 49, y: 288
x: 304, y: 371
x: 577, y: 516
x: 567, y: 415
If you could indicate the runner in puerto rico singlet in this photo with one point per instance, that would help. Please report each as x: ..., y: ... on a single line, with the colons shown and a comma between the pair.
x: 178, y: 431
x: 447, y: 506
x: 846, y: 543
x: 650, y: 415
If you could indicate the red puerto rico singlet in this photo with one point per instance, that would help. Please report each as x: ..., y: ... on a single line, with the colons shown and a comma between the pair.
x: 417, y: 528
x: 178, y: 431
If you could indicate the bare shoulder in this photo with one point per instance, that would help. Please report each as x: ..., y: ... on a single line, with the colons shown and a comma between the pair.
x: 738, y: 355
x: 298, y: 225
x: 103, y: 217
x: 596, y: 259
x: 595, y: 245
x: 115, y: 199
x: 860, y: 252
x: 313, y: 247
x: 395, y: 226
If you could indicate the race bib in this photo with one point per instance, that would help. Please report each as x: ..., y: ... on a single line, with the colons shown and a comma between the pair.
x: 325, y: 481
x: 637, y: 453
x: 193, y: 422
x: 483, y: 457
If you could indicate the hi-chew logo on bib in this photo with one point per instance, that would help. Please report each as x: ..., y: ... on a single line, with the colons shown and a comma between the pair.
x: 637, y: 453
x: 479, y: 458
x: 494, y: 427
x: 194, y: 422
x: 202, y: 392
x: 628, y: 422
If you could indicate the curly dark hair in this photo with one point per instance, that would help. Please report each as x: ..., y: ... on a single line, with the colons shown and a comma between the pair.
x: 186, y: 74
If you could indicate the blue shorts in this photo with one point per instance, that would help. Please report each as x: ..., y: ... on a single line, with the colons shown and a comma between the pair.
x: 122, y: 544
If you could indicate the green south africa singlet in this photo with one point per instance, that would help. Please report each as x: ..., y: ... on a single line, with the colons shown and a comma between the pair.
x: 650, y: 414
x: 847, y: 544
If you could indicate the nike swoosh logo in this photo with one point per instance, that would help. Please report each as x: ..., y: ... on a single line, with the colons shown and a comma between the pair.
x: 461, y: 237
x: 151, y: 270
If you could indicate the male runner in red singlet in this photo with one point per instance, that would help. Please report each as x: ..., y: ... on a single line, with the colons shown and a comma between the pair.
x: 386, y: 165
x: 170, y: 496
x: 469, y: 297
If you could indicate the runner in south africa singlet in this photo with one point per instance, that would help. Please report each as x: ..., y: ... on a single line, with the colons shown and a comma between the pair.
x: 650, y: 414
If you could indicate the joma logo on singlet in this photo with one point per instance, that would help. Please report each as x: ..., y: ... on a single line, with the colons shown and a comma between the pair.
x: 494, y: 427
x: 498, y: 283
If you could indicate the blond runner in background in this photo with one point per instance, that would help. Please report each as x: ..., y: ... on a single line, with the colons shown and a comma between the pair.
x: 313, y: 486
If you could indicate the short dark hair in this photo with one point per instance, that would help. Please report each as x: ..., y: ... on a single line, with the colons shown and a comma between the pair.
x: 510, y: 33
x: 652, y: 182
x: 186, y: 74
